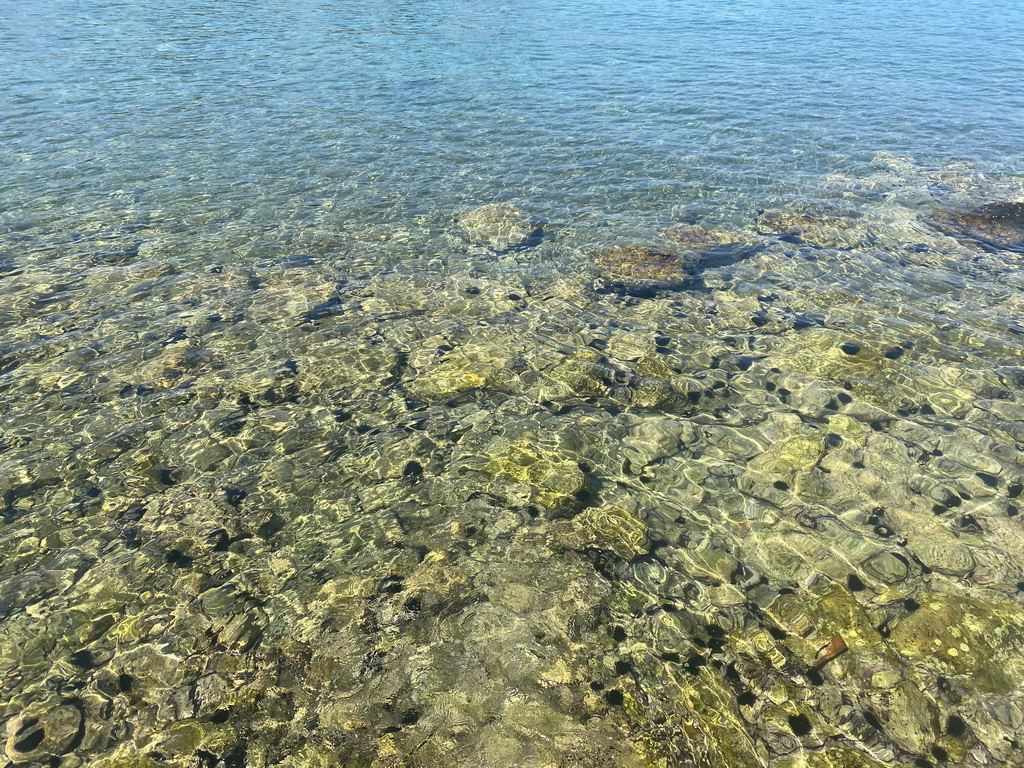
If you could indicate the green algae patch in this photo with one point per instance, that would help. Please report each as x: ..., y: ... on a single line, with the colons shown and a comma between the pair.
x: 831, y: 758
x: 786, y: 457
x: 719, y: 724
x: 608, y: 528
x: 555, y: 480
x: 974, y: 641
x: 128, y: 761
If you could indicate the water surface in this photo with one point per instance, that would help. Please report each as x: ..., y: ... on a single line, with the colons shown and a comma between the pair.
x: 304, y: 464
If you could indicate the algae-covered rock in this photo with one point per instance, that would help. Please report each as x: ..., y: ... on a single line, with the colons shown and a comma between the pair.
x: 821, y: 230
x: 609, y: 528
x: 971, y: 640
x: 554, y: 479
x: 831, y: 758
x: 498, y: 225
x: 42, y: 732
x: 996, y: 226
x: 695, y: 237
x: 719, y: 725
x: 641, y: 267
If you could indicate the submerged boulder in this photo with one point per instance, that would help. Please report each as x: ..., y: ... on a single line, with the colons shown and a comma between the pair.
x: 996, y: 226
x: 640, y: 268
x: 499, y: 226
x: 695, y: 237
x: 826, y: 231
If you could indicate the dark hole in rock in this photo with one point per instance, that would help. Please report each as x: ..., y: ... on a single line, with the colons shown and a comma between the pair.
x: 207, y: 759
x: 833, y: 440
x: 849, y: 348
x: 413, y: 471
x: 1012, y: 511
x: 220, y: 716
x: 747, y: 699
x: 877, y: 426
x: 614, y: 697
x: 473, y: 290
x: 938, y: 509
x: 390, y: 585
x: 799, y: 724
x: 514, y: 297
x: 815, y: 677
x: 596, y: 686
x: 471, y: 530
x: 870, y: 719
x: 858, y: 465
x: 623, y: 667
x: 927, y: 410
x: 940, y: 754
x: 778, y: 634
x: 391, y: 729
x: 894, y: 353
x: 124, y: 682
x: 168, y: 476
x: 271, y: 528
x: 670, y: 607
x: 31, y: 738
x: 234, y: 496
x: 695, y: 662
x: 744, y: 363
x: 413, y: 605
x: 178, y: 559
x: 619, y: 635
x: 832, y: 405
x: 362, y: 429
x: 881, y: 530
x: 222, y: 543
x: 663, y: 341
x: 770, y: 386
x: 854, y: 583
x: 759, y: 319
x: 844, y: 398
x: 532, y: 511
x: 670, y: 656
x: 955, y: 726
x: 585, y: 467
x: 583, y: 496
x: 786, y: 591
x: 923, y: 762
x: 969, y: 524
x: 694, y: 397
x: 83, y: 659
x: 1014, y: 490
x: 410, y: 717
x: 783, y: 392
x: 781, y: 485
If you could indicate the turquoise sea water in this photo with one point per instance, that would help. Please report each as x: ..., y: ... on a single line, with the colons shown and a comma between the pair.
x: 511, y: 384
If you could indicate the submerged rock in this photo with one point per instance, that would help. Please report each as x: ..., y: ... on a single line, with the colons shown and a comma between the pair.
x: 996, y: 226
x: 695, y: 238
x: 975, y: 642
x: 39, y: 736
x: 825, y: 231
x: 631, y: 268
x: 499, y: 226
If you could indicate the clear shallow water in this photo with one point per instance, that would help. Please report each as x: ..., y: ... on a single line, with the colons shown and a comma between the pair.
x: 300, y: 468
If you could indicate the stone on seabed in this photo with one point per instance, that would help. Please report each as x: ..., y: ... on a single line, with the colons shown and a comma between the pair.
x: 498, y: 225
